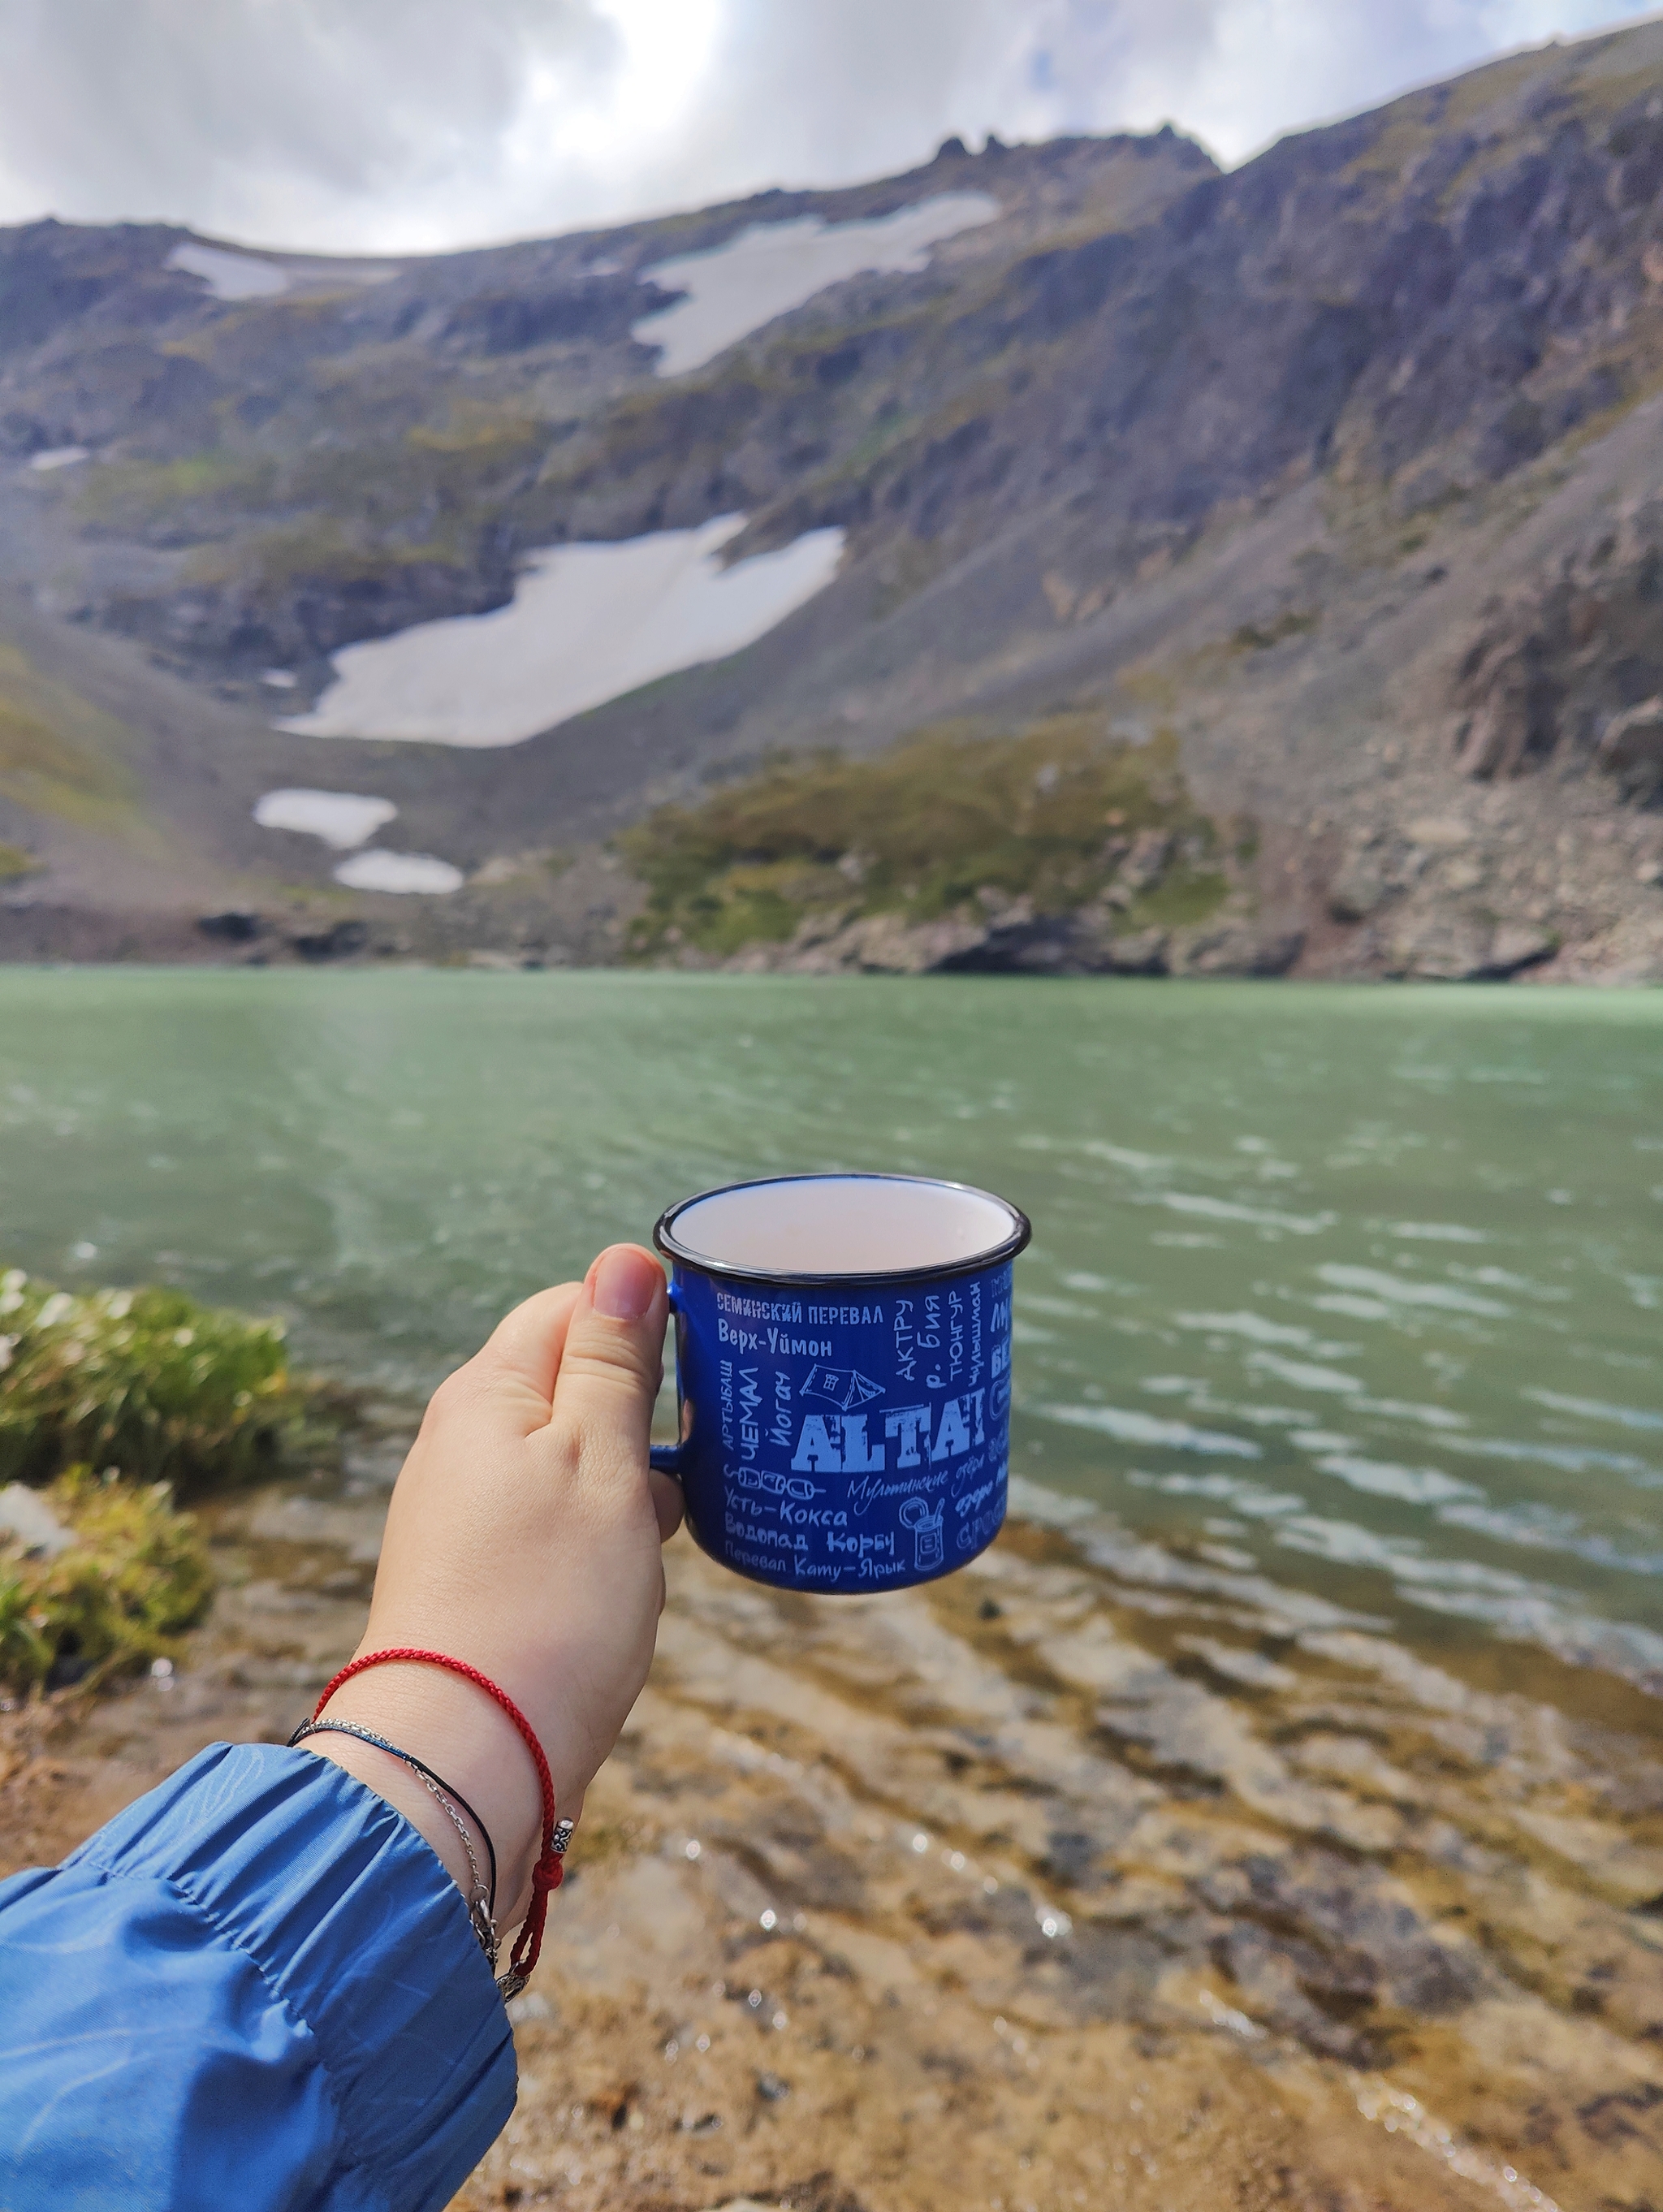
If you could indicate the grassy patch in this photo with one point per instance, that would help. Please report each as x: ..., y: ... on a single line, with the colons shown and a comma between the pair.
x: 908, y: 565
x: 1482, y: 104
x: 1259, y: 637
x: 341, y: 512
x: 1162, y: 687
x: 317, y: 547
x: 431, y: 481
x: 176, y: 503
x: 353, y: 514
x: 14, y: 862
x: 1049, y: 814
x: 146, y: 1380
x: 59, y: 755
x: 1599, y: 92
x: 475, y: 428
x: 134, y: 1577
x: 1181, y: 899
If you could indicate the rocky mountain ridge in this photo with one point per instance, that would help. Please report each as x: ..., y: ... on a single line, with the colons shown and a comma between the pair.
x: 1340, y: 472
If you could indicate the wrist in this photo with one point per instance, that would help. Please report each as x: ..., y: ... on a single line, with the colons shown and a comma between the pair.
x: 392, y: 1779
x: 459, y: 1731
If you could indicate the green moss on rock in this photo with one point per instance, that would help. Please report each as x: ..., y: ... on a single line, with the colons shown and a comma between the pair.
x: 1181, y: 900
x: 165, y: 1388
x: 133, y: 1579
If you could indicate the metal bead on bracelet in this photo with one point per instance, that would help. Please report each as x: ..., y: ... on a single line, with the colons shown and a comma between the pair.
x: 481, y: 1897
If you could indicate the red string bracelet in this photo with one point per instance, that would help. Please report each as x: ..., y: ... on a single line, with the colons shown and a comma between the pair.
x: 550, y: 1869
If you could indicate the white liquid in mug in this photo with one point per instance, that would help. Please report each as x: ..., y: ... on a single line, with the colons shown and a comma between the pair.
x: 842, y: 1225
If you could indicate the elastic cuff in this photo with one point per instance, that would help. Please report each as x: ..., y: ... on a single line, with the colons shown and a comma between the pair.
x: 353, y: 1922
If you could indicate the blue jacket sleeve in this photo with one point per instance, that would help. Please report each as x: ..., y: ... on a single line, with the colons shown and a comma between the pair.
x: 258, y: 1986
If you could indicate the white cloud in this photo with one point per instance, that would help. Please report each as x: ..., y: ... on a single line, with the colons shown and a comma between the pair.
x: 1238, y: 73
x: 387, y: 126
x: 328, y: 124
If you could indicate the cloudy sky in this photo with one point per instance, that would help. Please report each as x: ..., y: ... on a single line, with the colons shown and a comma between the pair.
x: 390, y: 125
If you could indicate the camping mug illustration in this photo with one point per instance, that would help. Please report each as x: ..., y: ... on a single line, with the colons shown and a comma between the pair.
x: 928, y: 1550
x: 843, y: 1372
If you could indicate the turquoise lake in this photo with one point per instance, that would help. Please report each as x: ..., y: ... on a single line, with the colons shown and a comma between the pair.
x: 1363, y: 1288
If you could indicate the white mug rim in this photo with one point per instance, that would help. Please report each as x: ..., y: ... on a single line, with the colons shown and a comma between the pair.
x: 978, y: 1263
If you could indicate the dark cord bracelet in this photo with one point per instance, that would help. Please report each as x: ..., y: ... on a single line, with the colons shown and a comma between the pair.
x: 438, y: 1781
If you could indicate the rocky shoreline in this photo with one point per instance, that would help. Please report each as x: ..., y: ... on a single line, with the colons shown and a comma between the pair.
x: 1101, y: 1872
x: 1516, y: 887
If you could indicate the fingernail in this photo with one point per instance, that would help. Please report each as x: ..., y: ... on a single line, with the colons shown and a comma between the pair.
x: 626, y: 1283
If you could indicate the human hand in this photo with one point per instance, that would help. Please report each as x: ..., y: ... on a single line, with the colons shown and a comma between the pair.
x: 524, y: 1537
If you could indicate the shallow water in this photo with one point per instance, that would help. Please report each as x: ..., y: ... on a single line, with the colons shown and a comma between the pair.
x: 1362, y: 1289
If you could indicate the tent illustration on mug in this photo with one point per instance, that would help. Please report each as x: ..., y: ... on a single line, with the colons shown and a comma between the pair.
x: 846, y: 1386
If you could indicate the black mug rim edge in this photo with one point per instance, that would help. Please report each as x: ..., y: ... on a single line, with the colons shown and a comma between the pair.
x: 978, y: 1264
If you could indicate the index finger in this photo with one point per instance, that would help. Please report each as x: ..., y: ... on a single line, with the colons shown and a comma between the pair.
x: 516, y: 1367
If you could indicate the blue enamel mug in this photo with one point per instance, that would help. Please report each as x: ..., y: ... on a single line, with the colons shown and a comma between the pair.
x: 843, y: 1374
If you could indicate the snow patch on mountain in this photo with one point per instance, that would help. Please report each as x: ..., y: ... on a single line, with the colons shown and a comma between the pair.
x: 342, y: 818
x: 378, y: 870
x: 586, y: 624
x: 770, y: 268
x: 230, y: 276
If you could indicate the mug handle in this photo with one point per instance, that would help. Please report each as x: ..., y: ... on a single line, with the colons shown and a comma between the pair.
x: 666, y: 1459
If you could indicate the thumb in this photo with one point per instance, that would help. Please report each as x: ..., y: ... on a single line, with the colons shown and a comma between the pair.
x: 613, y: 1360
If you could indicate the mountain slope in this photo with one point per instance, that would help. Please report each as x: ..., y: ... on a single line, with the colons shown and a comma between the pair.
x: 1340, y: 471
